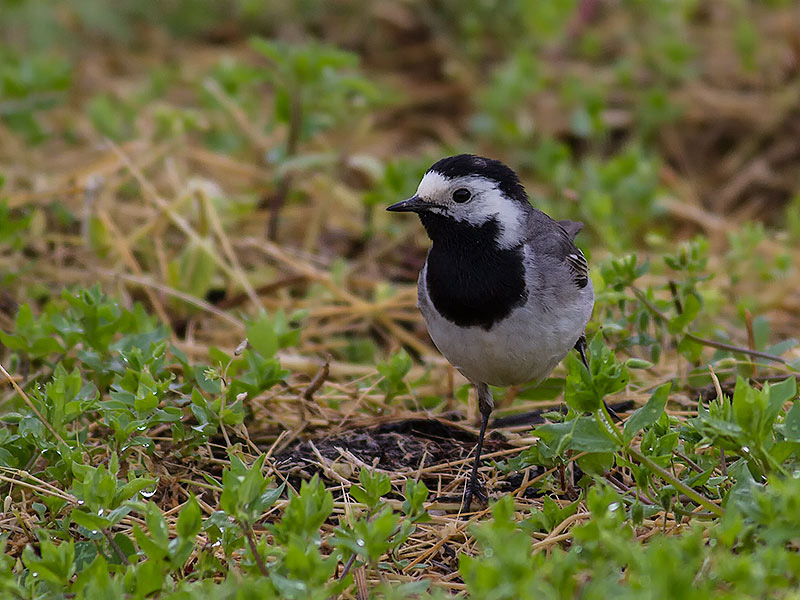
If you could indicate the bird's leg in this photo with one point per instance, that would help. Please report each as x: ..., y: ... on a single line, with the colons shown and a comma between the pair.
x: 485, y: 404
x: 580, y: 346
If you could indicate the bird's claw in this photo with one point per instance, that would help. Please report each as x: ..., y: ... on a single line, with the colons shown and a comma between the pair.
x: 474, y: 490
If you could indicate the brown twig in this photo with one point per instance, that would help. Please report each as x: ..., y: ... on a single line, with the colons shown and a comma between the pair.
x: 278, y: 199
x: 114, y: 546
x: 248, y: 533
x: 751, y: 336
x: 318, y: 379
x: 347, y: 566
x: 362, y: 588
x: 30, y: 404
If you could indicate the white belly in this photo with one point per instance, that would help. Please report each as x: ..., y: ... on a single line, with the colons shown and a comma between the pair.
x: 525, y: 346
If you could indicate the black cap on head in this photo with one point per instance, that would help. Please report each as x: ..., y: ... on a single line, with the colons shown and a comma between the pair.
x: 464, y: 165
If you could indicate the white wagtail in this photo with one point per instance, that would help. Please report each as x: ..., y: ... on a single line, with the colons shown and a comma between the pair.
x: 504, y: 292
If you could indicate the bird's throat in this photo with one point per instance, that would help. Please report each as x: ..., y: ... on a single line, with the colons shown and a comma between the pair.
x: 470, y: 279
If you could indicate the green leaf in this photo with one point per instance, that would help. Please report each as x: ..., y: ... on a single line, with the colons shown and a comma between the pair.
x: 90, y: 521
x: 305, y: 513
x: 130, y: 489
x: 586, y: 390
x: 783, y: 391
x: 551, y: 514
x: 262, y: 335
x: 691, y: 309
x: 269, y: 497
x: 751, y: 409
x: 638, y: 363
x: 791, y: 424
x: 647, y: 414
x: 190, y: 520
x: 416, y: 493
x: 157, y: 524
x: 393, y: 372
x: 369, y: 539
x: 151, y: 549
x: 119, y: 513
x: 56, y: 565
x: 149, y: 577
x: 580, y: 394
x: 373, y: 486
x: 583, y: 434
x: 125, y: 543
x: 777, y: 395
x: 596, y: 463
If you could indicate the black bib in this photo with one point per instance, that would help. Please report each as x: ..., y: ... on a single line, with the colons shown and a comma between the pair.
x: 471, y: 281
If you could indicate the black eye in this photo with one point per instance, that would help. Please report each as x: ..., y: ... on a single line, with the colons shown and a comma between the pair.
x: 462, y: 195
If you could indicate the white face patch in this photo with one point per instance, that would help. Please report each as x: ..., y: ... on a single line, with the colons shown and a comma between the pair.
x: 433, y: 185
x: 487, y: 202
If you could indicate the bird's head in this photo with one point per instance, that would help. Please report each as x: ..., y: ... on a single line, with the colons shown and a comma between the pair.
x: 468, y: 192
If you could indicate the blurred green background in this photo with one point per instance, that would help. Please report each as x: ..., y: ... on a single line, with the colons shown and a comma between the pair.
x: 652, y: 122
x: 624, y: 113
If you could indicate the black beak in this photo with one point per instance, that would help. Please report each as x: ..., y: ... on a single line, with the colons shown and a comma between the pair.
x: 413, y: 204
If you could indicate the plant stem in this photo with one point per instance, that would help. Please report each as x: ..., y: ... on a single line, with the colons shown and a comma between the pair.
x: 607, y: 423
x: 117, y: 550
x: 31, y: 405
x: 685, y: 489
x: 248, y: 533
x: 347, y: 566
x: 284, y: 185
x: 703, y: 341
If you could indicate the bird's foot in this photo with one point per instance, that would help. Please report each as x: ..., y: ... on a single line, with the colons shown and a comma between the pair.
x: 612, y: 413
x: 474, y: 490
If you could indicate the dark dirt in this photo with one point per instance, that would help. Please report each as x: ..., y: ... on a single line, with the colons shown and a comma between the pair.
x: 392, y: 446
x: 400, y: 445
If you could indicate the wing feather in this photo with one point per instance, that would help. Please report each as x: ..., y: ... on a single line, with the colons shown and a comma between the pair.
x: 579, y: 267
x: 556, y: 239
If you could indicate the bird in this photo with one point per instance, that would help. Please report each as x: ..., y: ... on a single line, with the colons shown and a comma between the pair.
x: 504, y: 292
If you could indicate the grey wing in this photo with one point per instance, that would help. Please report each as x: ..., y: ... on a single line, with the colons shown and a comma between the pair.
x: 578, y: 266
x: 556, y: 239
